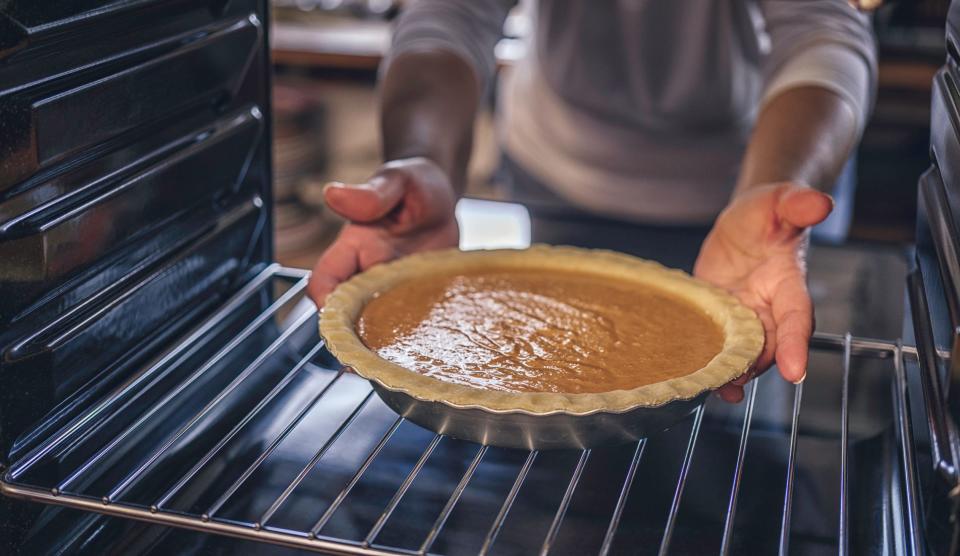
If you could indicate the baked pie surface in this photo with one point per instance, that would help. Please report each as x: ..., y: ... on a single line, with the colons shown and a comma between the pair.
x: 542, y: 330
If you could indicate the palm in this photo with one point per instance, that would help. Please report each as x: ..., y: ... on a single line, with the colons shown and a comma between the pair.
x: 756, y: 251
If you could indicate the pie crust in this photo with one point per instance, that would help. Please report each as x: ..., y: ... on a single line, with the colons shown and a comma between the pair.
x: 742, y: 330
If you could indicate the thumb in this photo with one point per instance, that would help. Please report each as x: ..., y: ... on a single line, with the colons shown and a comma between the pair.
x: 803, y: 207
x: 366, y: 202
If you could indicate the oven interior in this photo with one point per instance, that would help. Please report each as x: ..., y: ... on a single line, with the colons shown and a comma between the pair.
x: 164, y: 389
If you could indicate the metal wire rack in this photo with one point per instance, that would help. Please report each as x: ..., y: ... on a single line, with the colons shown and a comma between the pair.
x: 252, y: 430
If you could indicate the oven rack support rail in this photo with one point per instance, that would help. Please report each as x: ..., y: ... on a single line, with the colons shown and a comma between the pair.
x: 847, y: 346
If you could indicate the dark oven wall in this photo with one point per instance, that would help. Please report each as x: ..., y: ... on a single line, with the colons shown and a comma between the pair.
x: 134, y: 188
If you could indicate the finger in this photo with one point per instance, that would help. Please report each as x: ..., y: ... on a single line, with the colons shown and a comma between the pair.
x: 366, y: 202
x: 803, y: 207
x: 793, y: 312
x: 766, y: 357
x: 757, y: 372
x: 337, y: 263
x: 730, y: 393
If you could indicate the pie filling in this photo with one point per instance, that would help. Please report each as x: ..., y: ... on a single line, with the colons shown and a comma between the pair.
x: 534, y: 331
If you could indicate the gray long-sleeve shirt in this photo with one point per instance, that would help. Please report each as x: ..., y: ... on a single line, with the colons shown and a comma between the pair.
x: 643, y: 108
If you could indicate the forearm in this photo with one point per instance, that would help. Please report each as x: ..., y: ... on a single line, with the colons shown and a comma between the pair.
x: 428, y: 104
x: 803, y: 135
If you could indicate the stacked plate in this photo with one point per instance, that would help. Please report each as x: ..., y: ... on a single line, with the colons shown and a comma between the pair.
x: 299, y: 155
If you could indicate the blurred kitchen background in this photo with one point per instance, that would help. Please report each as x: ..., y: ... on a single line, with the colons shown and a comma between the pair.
x: 326, y: 54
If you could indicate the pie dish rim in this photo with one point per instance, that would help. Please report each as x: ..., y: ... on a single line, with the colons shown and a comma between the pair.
x: 743, y: 332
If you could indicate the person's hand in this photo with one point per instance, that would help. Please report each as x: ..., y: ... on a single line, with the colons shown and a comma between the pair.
x: 406, y: 206
x: 757, y: 252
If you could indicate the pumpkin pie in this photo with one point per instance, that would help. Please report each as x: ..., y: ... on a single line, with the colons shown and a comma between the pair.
x: 540, y: 330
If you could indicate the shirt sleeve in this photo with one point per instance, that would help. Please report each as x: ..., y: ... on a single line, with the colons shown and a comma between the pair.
x: 467, y: 28
x: 820, y: 42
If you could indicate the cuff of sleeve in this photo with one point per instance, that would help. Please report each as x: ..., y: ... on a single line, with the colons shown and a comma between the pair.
x: 832, y: 66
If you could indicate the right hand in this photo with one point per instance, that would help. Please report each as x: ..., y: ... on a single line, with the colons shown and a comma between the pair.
x: 405, y: 207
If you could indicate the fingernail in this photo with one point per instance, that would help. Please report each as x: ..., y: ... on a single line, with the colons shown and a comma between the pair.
x: 833, y: 202
x: 372, y: 184
x: 332, y: 184
x: 800, y: 380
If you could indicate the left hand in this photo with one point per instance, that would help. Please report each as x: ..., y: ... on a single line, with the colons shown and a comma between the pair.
x: 757, y: 252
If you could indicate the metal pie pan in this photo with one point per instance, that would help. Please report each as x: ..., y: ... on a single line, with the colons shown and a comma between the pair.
x: 539, y: 420
x: 518, y: 429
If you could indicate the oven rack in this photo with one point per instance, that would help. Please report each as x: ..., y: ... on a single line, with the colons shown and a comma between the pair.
x: 263, y: 437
